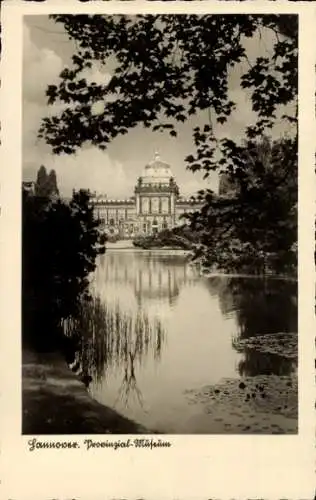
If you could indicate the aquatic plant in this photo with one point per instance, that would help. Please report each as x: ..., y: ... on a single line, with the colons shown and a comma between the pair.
x: 110, y: 336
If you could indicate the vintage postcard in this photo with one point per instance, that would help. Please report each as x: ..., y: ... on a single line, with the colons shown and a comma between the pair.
x: 157, y: 265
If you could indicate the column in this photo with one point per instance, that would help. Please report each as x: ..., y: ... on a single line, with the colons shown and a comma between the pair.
x: 172, y: 203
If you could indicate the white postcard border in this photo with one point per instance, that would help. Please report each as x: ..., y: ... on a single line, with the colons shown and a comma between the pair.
x: 221, y: 467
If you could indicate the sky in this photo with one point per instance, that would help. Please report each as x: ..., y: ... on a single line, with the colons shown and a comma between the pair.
x: 114, y: 172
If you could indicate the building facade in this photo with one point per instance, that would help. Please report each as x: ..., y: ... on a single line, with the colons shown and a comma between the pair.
x: 155, y: 205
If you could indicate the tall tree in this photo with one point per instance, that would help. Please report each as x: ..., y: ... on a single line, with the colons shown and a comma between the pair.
x: 170, y: 67
x: 60, y: 244
x: 41, y: 182
x: 52, y: 183
x: 46, y: 184
x: 167, y: 68
x: 253, y: 226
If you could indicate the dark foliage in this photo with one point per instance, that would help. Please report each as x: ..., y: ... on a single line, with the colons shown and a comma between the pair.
x: 254, y: 226
x: 181, y: 237
x: 167, y: 68
x: 46, y: 184
x: 60, y: 245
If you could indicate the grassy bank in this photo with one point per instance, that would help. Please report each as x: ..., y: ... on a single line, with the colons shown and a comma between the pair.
x: 55, y: 401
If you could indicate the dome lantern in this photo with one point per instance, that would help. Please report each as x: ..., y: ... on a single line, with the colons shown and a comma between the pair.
x: 157, y: 171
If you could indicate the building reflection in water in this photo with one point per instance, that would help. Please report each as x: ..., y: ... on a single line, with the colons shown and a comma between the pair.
x: 127, y: 335
x: 157, y: 284
x: 141, y: 297
x: 151, y: 277
x: 260, y: 306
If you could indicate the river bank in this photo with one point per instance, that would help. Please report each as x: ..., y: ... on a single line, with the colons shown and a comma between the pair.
x: 55, y: 401
x: 127, y: 245
x: 228, y: 365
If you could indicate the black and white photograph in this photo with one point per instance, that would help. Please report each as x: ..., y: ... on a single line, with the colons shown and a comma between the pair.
x: 160, y: 224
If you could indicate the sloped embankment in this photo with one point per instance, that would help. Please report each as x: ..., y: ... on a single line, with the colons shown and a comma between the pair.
x: 55, y: 401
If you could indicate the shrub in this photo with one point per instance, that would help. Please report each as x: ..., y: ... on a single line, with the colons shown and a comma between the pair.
x: 60, y: 244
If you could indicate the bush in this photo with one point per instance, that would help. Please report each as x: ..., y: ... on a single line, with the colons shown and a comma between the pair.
x: 60, y: 244
x: 172, y: 238
x: 112, y: 238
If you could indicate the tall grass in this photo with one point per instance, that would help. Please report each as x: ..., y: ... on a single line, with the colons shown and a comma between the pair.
x: 112, y: 337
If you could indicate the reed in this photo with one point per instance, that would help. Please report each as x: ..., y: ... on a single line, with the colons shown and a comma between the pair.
x: 110, y: 336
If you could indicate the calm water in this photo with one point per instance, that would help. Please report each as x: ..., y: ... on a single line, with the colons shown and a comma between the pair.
x: 167, y: 330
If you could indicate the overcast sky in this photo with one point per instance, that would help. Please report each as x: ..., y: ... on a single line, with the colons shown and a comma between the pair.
x: 47, y: 50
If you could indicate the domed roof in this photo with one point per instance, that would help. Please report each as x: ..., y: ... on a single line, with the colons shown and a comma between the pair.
x: 157, y: 171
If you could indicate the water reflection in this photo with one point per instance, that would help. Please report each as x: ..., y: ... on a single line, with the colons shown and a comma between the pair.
x: 151, y: 277
x: 258, y: 363
x: 112, y: 338
x: 156, y: 328
x: 261, y: 306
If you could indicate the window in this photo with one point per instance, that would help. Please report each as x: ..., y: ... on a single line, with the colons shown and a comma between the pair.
x: 165, y: 205
x: 111, y: 222
x: 145, y: 205
x: 155, y: 205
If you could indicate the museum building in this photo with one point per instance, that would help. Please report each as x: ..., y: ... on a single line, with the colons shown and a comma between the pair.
x: 155, y: 205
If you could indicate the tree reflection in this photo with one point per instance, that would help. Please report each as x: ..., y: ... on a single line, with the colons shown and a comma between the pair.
x: 260, y: 363
x: 129, y: 385
x: 260, y: 306
x: 113, y: 338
